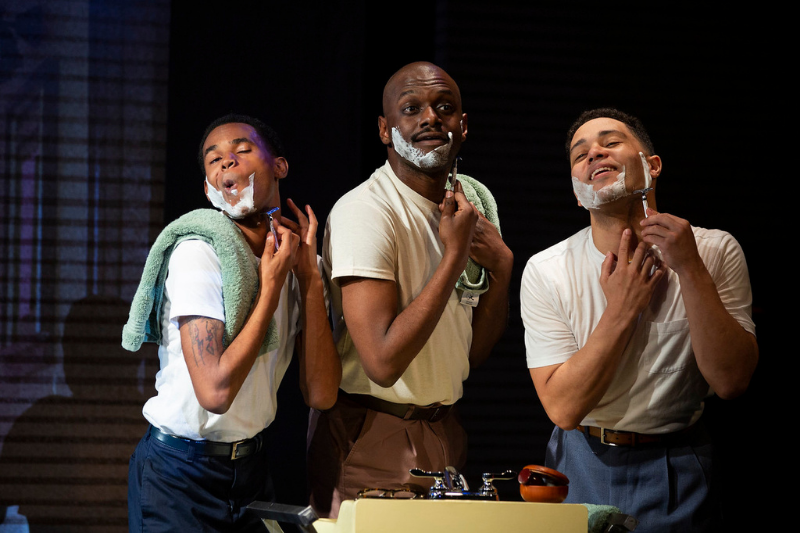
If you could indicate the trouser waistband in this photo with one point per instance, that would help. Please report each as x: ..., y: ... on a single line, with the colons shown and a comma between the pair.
x: 231, y: 450
x: 406, y: 411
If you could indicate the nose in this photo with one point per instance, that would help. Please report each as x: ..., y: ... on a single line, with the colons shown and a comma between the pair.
x: 596, y: 152
x: 429, y: 117
x: 228, y: 161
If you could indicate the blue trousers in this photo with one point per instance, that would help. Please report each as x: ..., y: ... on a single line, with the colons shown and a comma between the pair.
x: 667, y: 488
x: 171, y: 490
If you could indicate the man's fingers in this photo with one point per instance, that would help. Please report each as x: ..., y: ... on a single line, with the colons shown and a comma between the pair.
x: 449, y: 204
x: 301, y: 217
x: 609, y: 264
x: 624, y: 245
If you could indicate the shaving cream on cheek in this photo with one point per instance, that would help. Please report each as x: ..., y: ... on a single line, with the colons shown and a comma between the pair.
x: 648, y: 179
x: 591, y: 199
x: 433, y: 159
x: 245, y: 206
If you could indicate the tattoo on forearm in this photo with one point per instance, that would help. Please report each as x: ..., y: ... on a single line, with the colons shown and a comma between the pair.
x: 204, y: 335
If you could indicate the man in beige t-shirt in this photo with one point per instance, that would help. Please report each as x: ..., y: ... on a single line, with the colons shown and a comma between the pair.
x: 394, y: 249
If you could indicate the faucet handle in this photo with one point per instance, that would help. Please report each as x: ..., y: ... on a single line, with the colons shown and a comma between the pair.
x: 488, y: 478
x: 438, y: 477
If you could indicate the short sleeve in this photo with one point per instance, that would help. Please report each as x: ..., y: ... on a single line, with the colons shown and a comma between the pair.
x: 194, y: 281
x: 362, y: 241
x: 731, y: 277
x: 549, y: 340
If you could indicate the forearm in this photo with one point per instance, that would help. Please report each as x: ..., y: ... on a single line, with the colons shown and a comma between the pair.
x: 570, y: 391
x: 726, y: 353
x: 388, y: 341
x: 320, y: 365
x: 490, y: 317
x: 217, y: 374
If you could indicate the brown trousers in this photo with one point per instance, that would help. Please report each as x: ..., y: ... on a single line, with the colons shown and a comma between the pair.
x: 351, y: 448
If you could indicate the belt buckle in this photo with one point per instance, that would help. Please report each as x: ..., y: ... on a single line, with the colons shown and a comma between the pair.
x: 235, y: 449
x: 603, y: 438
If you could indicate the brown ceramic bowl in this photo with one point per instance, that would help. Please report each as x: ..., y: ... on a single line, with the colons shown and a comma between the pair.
x: 542, y: 484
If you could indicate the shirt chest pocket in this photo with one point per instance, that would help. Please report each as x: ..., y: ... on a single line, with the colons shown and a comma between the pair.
x: 667, y: 347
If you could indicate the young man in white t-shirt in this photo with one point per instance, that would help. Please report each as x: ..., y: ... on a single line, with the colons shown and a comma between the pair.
x: 203, y: 459
x: 629, y: 325
x: 394, y: 249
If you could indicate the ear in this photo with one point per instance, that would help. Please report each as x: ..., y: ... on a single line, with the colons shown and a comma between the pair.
x: 383, y: 131
x: 205, y: 188
x: 281, y: 167
x: 655, y: 166
x: 463, y: 127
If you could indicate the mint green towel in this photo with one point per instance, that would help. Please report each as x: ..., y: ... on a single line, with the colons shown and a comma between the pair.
x: 239, y: 278
x: 474, y: 278
x: 599, y: 515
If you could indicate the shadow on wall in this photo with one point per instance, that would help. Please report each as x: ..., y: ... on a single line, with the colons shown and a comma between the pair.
x: 65, y: 460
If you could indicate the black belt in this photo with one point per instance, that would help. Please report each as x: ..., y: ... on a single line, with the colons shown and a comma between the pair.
x: 231, y: 450
x: 406, y: 411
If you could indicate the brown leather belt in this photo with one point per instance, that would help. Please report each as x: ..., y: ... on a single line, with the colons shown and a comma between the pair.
x: 406, y: 411
x: 613, y: 437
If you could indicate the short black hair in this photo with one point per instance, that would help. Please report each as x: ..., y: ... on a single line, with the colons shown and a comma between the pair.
x: 633, y: 123
x: 267, y: 134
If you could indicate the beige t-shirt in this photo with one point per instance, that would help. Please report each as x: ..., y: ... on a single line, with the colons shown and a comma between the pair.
x: 382, y: 229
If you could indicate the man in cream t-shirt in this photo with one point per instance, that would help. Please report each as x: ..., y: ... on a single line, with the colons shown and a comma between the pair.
x: 394, y: 250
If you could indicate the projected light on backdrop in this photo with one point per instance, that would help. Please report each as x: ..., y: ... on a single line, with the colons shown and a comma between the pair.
x: 83, y: 89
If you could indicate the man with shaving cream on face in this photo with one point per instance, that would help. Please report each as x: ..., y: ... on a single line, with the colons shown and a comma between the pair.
x: 229, y: 295
x: 410, y: 324
x: 629, y: 325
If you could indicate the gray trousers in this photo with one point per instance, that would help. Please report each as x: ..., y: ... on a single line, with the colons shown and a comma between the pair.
x: 666, y: 487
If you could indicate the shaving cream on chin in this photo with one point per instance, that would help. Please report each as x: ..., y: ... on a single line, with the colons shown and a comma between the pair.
x: 433, y: 159
x: 591, y: 199
x: 244, y: 207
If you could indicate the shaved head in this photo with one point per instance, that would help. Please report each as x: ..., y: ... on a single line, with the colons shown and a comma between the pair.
x: 413, y: 74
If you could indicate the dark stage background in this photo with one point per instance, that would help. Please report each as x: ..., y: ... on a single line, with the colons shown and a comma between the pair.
x: 700, y: 78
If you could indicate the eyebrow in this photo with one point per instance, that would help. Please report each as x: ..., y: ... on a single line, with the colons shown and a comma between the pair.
x: 443, y: 90
x: 234, y: 142
x: 601, y: 134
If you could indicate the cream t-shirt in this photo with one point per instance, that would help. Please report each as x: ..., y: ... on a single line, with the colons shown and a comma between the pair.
x: 383, y: 229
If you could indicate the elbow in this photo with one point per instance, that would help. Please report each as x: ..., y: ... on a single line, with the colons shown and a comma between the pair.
x: 566, y: 423
x: 565, y: 418
x: 385, y: 381
x: 322, y: 400
x: 217, y: 402
x: 381, y: 371
x: 732, y: 390
x: 383, y: 377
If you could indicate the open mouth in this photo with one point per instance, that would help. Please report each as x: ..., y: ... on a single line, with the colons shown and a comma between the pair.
x: 600, y: 172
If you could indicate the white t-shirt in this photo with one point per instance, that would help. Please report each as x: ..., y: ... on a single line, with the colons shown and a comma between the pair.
x: 658, y: 387
x: 384, y: 230
x: 194, y: 288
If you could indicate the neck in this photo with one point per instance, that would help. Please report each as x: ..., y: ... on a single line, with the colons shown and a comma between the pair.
x: 613, y: 218
x: 429, y: 184
x: 254, y: 229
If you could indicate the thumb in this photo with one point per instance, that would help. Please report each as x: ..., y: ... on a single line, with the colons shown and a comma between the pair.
x: 449, y: 204
x: 269, y: 246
